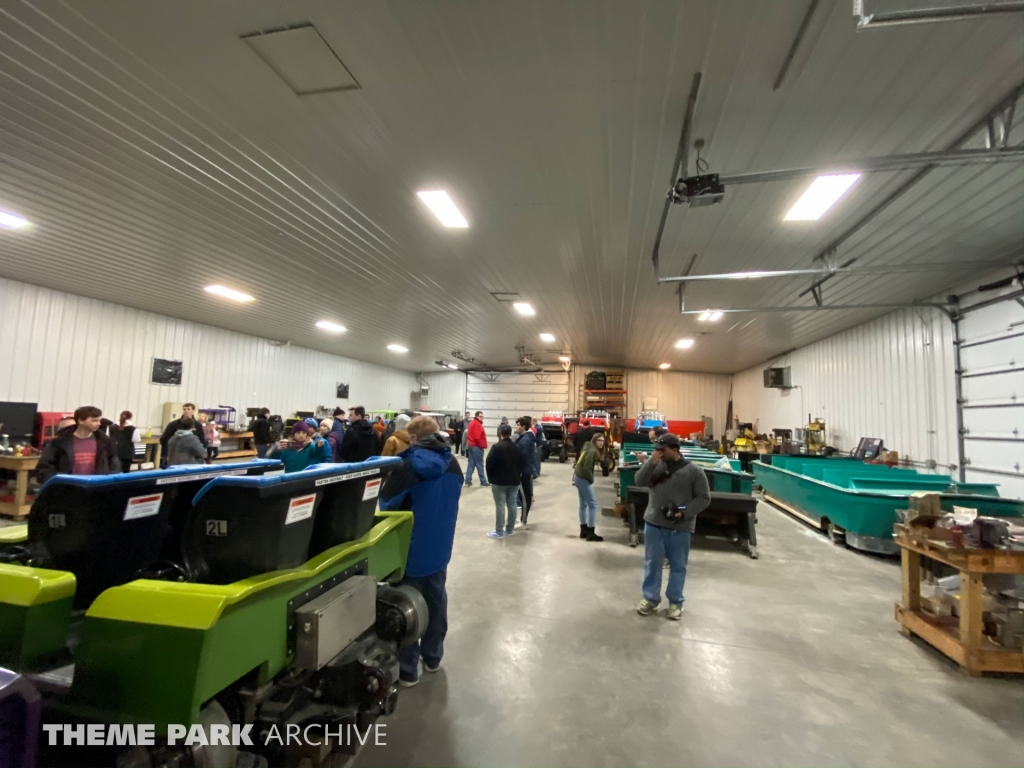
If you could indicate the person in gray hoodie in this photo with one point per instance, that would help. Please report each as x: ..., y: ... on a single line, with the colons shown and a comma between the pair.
x: 185, y: 447
x: 679, y: 492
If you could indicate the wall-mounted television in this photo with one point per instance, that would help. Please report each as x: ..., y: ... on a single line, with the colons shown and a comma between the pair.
x: 18, y: 421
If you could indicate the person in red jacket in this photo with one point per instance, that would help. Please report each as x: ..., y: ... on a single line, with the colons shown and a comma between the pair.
x: 476, y: 442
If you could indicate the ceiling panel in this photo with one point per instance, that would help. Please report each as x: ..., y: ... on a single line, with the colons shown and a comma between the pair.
x: 155, y: 153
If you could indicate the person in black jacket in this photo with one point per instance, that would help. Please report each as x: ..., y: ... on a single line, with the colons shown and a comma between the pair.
x: 80, y: 449
x: 361, y: 440
x: 188, y: 417
x: 125, y: 437
x: 505, y: 469
x: 525, y: 442
x: 261, y: 436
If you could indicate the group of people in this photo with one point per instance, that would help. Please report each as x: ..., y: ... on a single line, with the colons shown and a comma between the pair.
x: 340, y: 440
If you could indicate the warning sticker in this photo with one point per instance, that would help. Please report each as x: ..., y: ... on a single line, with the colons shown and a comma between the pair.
x: 300, y: 508
x: 143, y: 506
x: 372, y: 489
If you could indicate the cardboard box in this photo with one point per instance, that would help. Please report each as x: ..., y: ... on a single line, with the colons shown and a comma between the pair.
x: 926, y: 503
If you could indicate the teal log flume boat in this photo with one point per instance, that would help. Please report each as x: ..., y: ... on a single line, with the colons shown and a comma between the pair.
x: 859, y: 501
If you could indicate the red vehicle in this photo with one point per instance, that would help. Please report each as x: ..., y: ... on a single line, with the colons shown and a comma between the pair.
x: 597, y: 419
x: 552, y: 425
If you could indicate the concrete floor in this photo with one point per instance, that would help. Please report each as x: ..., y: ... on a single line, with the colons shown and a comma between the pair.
x: 792, y: 659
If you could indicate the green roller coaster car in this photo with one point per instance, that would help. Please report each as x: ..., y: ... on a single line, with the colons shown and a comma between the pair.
x: 314, y: 644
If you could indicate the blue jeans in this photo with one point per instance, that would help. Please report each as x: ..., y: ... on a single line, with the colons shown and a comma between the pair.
x: 431, y: 645
x: 476, y: 459
x: 261, y: 450
x: 504, y: 507
x: 660, y: 543
x: 588, y: 501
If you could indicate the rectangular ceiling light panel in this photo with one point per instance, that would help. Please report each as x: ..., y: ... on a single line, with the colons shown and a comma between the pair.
x: 303, y: 60
x: 820, y: 196
x: 442, y: 206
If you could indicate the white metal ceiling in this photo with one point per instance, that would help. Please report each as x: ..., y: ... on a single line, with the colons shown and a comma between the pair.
x: 155, y: 152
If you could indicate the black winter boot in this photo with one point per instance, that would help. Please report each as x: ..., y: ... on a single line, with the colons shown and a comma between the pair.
x: 591, y: 536
x: 584, y: 531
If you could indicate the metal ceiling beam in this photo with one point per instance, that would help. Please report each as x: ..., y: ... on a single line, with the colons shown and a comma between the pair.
x: 796, y: 44
x: 1000, y: 108
x: 825, y: 308
x: 890, y: 163
x: 682, y: 161
x: 890, y: 269
x: 681, y: 290
x: 931, y: 15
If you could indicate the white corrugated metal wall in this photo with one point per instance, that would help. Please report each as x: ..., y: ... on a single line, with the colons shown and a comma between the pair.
x: 447, y: 391
x: 687, y: 396
x: 680, y: 395
x: 890, y: 378
x: 63, y: 351
x: 992, y: 361
x: 515, y: 395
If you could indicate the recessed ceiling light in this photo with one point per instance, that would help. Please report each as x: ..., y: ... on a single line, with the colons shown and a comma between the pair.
x: 327, y: 325
x: 820, y: 196
x: 398, y: 348
x: 12, y: 220
x: 548, y: 337
x: 228, y: 293
x: 684, y: 343
x: 711, y: 315
x: 665, y: 366
x: 523, y: 308
x: 564, y: 359
x: 453, y: 366
x: 443, y: 207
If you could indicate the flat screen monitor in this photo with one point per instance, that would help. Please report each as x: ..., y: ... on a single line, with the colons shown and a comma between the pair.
x: 868, y: 448
x: 18, y: 421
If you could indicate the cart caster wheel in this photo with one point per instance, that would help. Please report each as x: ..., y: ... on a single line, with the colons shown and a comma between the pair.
x: 838, y: 535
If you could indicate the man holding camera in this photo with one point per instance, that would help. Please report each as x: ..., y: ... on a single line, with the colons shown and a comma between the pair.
x: 679, y: 492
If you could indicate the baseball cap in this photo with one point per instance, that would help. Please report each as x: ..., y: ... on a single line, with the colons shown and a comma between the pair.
x: 667, y: 440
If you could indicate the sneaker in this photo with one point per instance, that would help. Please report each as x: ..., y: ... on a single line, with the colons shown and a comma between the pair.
x: 508, y: 532
x: 496, y: 534
x: 467, y: 484
x: 485, y: 485
x: 675, y: 612
x: 646, y: 607
x: 407, y: 683
x: 428, y: 668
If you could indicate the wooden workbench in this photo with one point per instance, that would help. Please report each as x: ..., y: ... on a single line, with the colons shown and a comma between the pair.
x: 246, y: 447
x: 153, y: 451
x: 21, y: 465
x: 961, y: 640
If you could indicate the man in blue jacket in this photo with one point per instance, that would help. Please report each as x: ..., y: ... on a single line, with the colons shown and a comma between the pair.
x: 429, y: 482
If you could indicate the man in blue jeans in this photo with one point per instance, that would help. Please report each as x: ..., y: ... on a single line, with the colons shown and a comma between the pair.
x: 429, y: 482
x: 679, y: 492
x: 476, y: 444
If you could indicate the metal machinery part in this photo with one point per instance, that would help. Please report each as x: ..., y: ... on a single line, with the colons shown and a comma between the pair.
x: 328, y: 623
x: 401, y: 615
x: 353, y: 688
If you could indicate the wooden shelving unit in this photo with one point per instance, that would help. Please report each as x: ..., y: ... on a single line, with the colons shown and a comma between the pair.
x: 960, y: 639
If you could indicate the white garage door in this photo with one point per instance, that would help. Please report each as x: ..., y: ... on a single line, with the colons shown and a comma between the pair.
x: 992, y: 361
x: 515, y: 395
